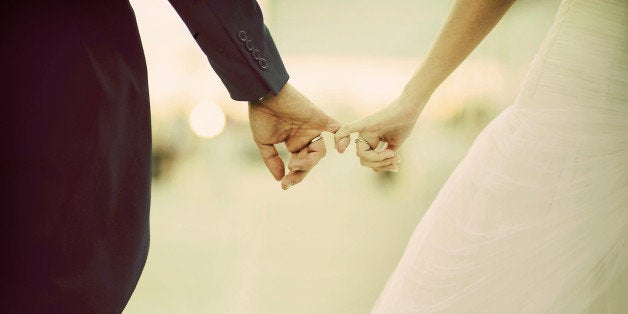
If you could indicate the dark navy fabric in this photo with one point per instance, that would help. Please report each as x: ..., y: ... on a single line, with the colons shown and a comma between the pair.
x: 76, y: 142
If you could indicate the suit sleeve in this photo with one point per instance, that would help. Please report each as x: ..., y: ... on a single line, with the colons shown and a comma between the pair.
x: 237, y: 43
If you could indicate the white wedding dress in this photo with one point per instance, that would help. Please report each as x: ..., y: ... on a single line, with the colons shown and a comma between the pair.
x: 535, y: 218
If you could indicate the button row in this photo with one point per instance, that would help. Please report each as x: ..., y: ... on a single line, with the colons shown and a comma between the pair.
x: 250, y: 46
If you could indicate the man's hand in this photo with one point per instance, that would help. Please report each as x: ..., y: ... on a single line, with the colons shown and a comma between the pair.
x: 291, y: 118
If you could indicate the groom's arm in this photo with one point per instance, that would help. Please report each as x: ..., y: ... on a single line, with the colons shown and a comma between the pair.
x: 242, y: 52
x: 237, y: 44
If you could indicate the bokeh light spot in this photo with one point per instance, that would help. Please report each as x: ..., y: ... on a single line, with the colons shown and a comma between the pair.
x: 207, y: 120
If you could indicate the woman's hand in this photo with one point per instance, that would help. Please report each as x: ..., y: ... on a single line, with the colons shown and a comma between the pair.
x: 391, y: 125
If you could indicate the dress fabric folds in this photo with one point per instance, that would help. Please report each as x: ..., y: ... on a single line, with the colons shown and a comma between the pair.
x: 535, y: 218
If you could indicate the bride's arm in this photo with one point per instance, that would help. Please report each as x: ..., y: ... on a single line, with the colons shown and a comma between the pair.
x: 468, y: 23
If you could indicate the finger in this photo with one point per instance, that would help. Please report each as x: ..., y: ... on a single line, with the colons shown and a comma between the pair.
x: 381, y: 147
x: 318, y: 146
x: 362, y: 148
x: 302, y: 153
x: 343, y: 132
x: 391, y: 168
x: 296, y: 176
x: 308, y: 157
x: 380, y: 164
x: 342, y: 137
x: 342, y: 144
x: 305, y: 163
x: 372, y: 139
x: 292, y: 178
x: 302, y: 162
x: 272, y: 160
x: 365, y: 152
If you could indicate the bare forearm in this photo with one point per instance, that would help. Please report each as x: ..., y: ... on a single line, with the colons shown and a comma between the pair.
x: 468, y: 23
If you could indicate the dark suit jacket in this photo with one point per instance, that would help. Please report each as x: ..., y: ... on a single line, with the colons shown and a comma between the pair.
x: 75, y: 133
x: 238, y: 45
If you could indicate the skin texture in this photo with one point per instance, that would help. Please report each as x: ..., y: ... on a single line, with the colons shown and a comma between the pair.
x: 468, y: 23
x: 292, y: 119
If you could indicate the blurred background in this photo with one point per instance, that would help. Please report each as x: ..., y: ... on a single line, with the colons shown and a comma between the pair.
x: 225, y: 237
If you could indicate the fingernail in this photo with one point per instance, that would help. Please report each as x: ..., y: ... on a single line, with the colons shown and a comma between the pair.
x: 289, y: 185
x: 338, y: 148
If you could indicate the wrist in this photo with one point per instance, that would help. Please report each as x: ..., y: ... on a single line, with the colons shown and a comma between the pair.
x: 425, y: 81
x: 414, y: 98
x: 285, y: 98
x: 406, y: 108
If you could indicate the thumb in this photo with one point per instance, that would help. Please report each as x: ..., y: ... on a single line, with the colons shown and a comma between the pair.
x: 272, y: 160
x: 342, y: 137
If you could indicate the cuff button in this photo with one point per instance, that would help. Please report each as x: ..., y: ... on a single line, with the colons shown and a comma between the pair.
x: 249, y: 45
x: 263, y: 63
x: 256, y: 54
x: 242, y: 35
